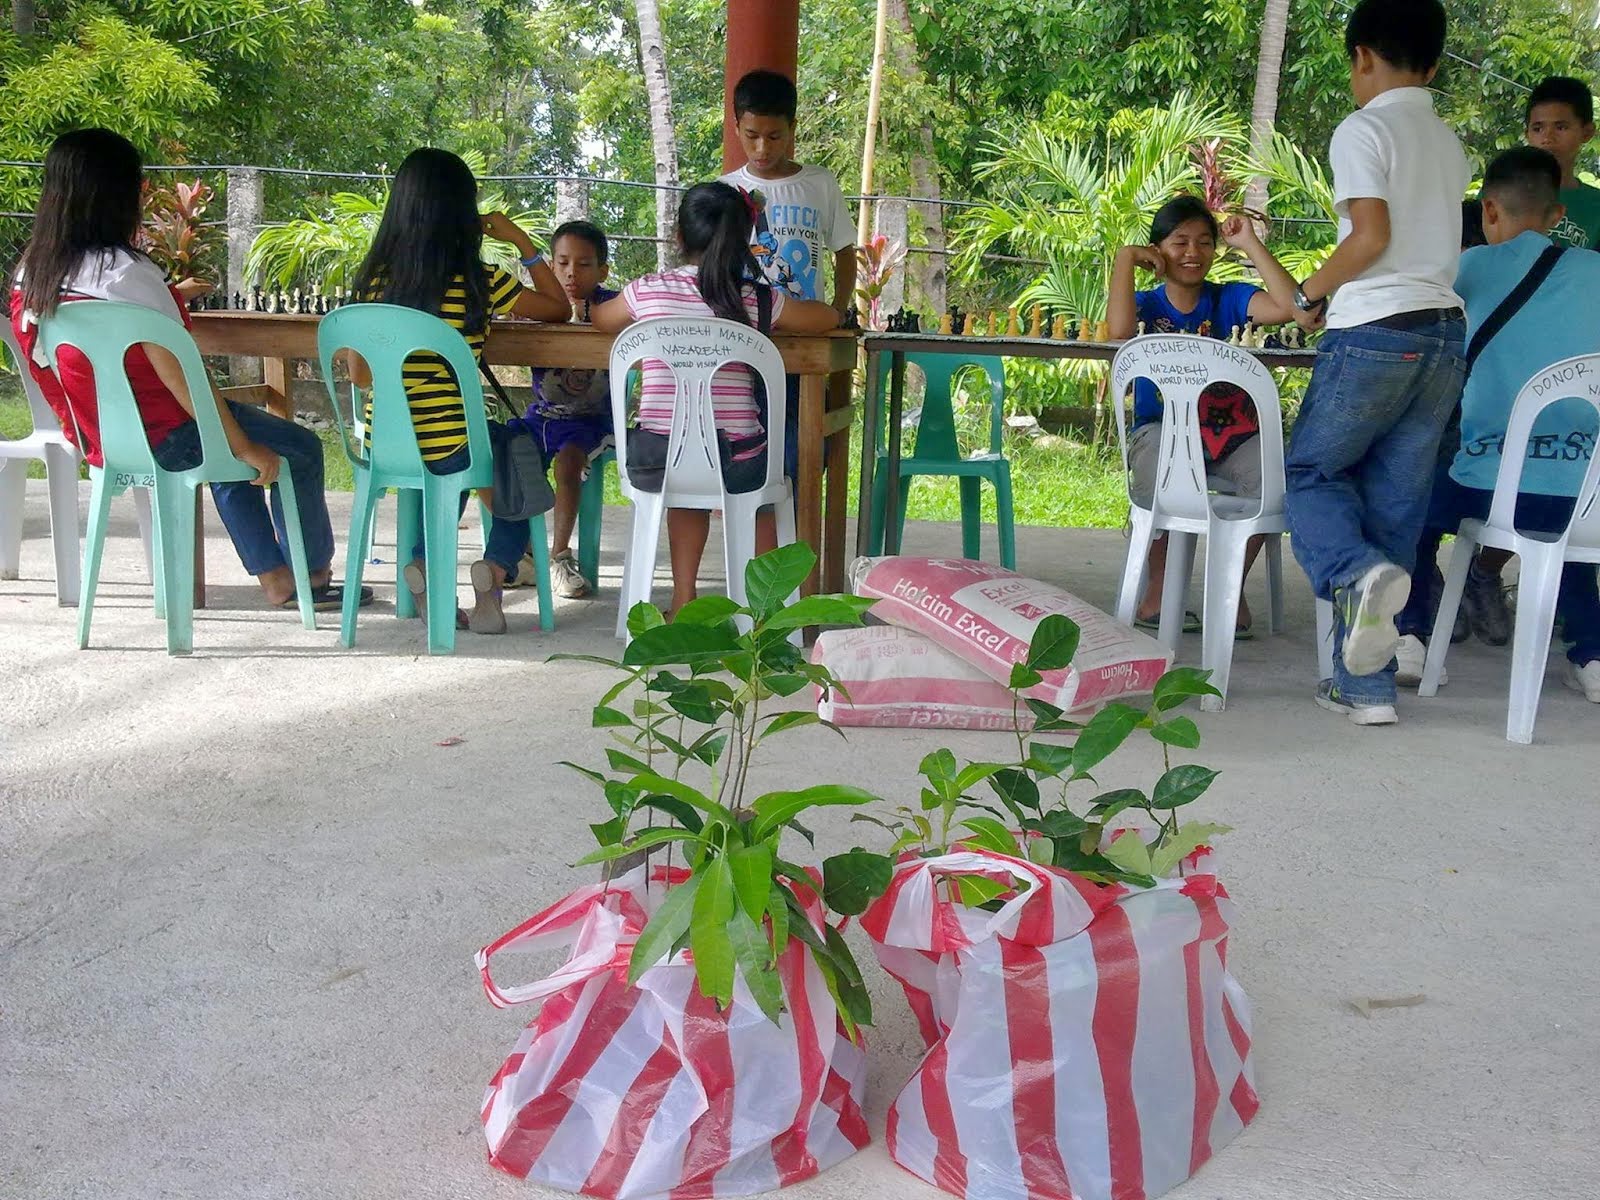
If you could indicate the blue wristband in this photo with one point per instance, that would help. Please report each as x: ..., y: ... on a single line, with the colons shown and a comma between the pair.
x: 530, y: 263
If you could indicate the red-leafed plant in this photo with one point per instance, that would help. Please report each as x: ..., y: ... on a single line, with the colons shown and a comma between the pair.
x: 175, y: 233
x: 879, y: 260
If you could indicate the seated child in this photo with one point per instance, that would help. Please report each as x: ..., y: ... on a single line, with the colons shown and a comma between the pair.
x: 570, y: 416
x: 714, y: 226
x: 1183, y: 245
x: 82, y: 248
x: 428, y: 255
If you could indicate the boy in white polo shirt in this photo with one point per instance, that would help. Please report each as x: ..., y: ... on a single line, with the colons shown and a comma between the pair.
x: 1389, y: 370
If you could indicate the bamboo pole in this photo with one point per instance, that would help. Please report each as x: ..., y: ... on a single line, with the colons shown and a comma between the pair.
x: 869, y: 147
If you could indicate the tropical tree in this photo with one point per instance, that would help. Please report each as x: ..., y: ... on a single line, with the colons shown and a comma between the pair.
x: 663, y: 136
x: 1264, y: 103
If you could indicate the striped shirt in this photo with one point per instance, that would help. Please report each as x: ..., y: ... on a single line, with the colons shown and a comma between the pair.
x: 676, y: 293
x: 432, y: 391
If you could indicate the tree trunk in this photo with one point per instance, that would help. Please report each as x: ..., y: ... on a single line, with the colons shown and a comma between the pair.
x: 663, y: 137
x: 1264, y: 107
x: 869, y: 144
x: 924, y: 174
x: 22, y: 18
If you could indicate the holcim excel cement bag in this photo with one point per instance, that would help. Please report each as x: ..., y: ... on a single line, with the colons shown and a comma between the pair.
x: 631, y: 1092
x: 987, y: 615
x: 1084, y: 1042
x: 896, y: 678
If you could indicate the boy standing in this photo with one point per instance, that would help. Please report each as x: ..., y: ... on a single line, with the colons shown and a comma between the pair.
x: 800, y: 213
x: 1560, y: 119
x: 1389, y: 371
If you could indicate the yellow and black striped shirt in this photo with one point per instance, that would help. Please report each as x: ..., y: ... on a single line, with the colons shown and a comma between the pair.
x: 431, y: 389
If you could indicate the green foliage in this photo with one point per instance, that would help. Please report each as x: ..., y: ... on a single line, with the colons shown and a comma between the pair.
x: 686, y: 722
x: 175, y: 233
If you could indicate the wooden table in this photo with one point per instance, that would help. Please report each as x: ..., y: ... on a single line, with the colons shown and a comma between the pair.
x: 823, y: 361
x: 898, y: 345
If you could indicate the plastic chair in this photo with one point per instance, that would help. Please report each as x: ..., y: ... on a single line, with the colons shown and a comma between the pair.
x: 1542, y: 556
x: 938, y: 454
x: 591, y: 512
x: 694, y: 349
x: 50, y: 446
x: 385, y: 335
x: 103, y: 331
x: 1182, y: 367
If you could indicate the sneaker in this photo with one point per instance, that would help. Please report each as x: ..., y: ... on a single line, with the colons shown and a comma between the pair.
x: 1484, y: 602
x: 1359, y: 714
x: 1411, y: 652
x: 1585, y: 679
x: 568, y: 579
x: 527, y: 575
x: 487, y: 616
x: 1369, y: 607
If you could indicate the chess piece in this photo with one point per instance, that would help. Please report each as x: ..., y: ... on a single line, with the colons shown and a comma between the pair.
x: 944, y: 324
x: 1013, y: 325
x: 1102, y: 331
x: 969, y: 327
x: 1233, y: 338
x: 1058, y: 329
x: 992, y: 325
x: 255, y: 298
x: 1035, y: 320
x: 1141, y: 328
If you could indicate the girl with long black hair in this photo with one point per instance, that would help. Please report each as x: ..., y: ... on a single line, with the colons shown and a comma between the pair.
x: 83, y: 248
x: 428, y: 255
x: 718, y: 280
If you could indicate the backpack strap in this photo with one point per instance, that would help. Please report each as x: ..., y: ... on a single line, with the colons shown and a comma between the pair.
x: 1512, y: 304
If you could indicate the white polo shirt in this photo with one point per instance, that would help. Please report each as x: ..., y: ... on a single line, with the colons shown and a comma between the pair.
x: 1396, y: 149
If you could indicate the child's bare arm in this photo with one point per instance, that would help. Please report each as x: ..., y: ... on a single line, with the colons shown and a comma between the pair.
x: 1275, y: 305
x: 806, y: 316
x: 612, y: 316
x: 1122, y: 321
x: 1369, y: 238
x: 844, y: 278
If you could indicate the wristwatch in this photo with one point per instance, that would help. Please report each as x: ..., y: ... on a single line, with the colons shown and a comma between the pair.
x: 1305, y: 303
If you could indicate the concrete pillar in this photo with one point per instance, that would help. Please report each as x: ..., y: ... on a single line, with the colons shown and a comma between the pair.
x: 572, y: 200
x: 761, y: 34
x: 244, y: 218
x: 892, y: 222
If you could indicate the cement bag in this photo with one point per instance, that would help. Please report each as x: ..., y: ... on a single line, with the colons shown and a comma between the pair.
x: 986, y: 615
x: 640, y: 1092
x: 1084, y: 1042
x: 896, y: 678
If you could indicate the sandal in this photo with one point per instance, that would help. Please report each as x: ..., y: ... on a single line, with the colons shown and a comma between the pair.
x: 327, y: 598
x: 417, y: 585
x: 1191, y: 622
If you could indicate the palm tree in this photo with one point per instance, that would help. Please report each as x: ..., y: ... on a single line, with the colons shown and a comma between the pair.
x: 663, y: 136
x: 1264, y: 106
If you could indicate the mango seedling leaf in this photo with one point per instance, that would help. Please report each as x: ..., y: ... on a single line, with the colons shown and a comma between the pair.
x: 586, y: 772
x: 1049, y: 759
x: 609, y: 718
x: 1181, y: 684
x: 1054, y: 643
x: 990, y: 834
x: 1023, y: 676
x: 778, y: 914
x: 751, y: 867
x: 642, y: 617
x: 1108, y: 804
x: 771, y: 578
x: 1106, y: 731
x: 1130, y: 853
x: 975, y: 891
x: 938, y: 767
x: 853, y: 880
x: 839, y: 952
x: 778, y: 808
x: 975, y: 773
x: 645, y: 840
x: 708, y: 747
x: 1179, y: 731
x: 1182, y: 785
x: 1043, y: 711
x: 708, y: 933
x: 1057, y: 823
x: 1016, y: 789
x: 820, y: 610
x: 681, y: 645
x: 791, y: 720
x: 661, y: 933
x: 621, y: 760
x: 683, y: 814
x: 754, y: 956
x: 609, y: 833
x: 1164, y: 859
x: 706, y: 610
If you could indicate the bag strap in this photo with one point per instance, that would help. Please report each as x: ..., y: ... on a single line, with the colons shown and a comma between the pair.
x: 499, y: 391
x: 764, y: 309
x: 1512, y: 304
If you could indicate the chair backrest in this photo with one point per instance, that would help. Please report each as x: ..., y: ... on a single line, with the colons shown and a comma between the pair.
x: 103, y: 331
x: 936, y: 428
x: 694, y: 349
x: 44, y: 417
x: 1575, y: 378
x: 385, y: 335
x: 1182, y: 366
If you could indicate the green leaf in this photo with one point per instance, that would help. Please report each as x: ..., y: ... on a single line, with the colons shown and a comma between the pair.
x: 661, y: 933
x: 784, y: 683
x: 839, y: 952
x: 683, y: 814
x: 754, y: 956
x: 1108, y: 804
x: 975, y: 773
x: 706, y: 610
x: 778, y: 914
x: 1165, y: 858
x: 682, y: 791
x: 708, y: 747
x: 1058, y: 823
x: 939, y: 769
x: 820, y: 610
x: 1130, y: 853
x: 708, y: 933
x: 791, y: 720
x: 1043, y: 711
x: 584, y: 771
x: 1182, y: 785
x: 991, y: 835
x: 621, y: 760
x: 1106, y: 731
x: 1023, y: 676
x: 776, y: 809
x: 771, y: 578
x: 610, y: 718
x: 609, y: 833
x: 1179, y: 731
x: 642, y: 617
x: 650, y: 837
x: 853, y: 880
x: 751, y: 867
x: 695, y: 703
x: 681, y: 645
x: 975, y: 891
x: 1055, y: 641
x: 1182, y: 684
x: 1049, y: 759
x: 1015, y: 788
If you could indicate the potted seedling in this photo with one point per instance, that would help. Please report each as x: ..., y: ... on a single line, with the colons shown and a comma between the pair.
x: 705, y: 981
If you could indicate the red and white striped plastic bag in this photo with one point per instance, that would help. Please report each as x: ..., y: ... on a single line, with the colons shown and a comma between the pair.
x: 637, y: 1092
x: 1084, y: 1042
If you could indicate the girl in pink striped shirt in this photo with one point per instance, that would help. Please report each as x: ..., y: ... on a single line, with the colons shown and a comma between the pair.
x: 718, y: 280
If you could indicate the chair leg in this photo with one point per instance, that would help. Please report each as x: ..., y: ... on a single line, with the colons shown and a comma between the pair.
x: 147, y: 536
x: 1444, y: 622
x: 639, y: 567
x: 408, y: 526
x: 13, y: 495
x: 738, y: 548
x: 61, y: 469
x: 541, y: 570
x: 880, y: 505
x: 900, y: 515
x: 94, y: 543
x: 971, y: 517
x: 363, y: 509
x: 1175, y: 587
x: 1324, y: 639
x: 175, y: 514
x: 1538, y: 585
x: 1140, y: 535
x: 1225, y: 551
x: 442, y: 543
x: 1274, y: 550
x: 1004, y: 519
x: 591, y: 514
x: 297, y: 547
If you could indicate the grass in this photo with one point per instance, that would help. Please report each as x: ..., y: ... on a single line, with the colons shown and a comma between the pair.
x: 1055, y: 482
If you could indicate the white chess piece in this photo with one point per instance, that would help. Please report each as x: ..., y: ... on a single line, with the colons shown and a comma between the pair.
x: 1233, y: 338
x: 1141, y: 328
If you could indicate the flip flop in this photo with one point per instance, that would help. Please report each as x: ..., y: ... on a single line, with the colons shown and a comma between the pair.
x: 327, y: 598
x: 1191, y: 623
x: 1243, y: 633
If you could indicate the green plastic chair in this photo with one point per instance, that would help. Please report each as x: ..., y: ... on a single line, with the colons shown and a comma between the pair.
x: 591, y: 509
x: 385, y: 335
x: 938, y: 454
x: 102, y: 331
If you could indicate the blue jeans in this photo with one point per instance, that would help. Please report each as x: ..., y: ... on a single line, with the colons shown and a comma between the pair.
x: 1578, y: 601
x: 507, y: 541
x: 260, y: 537
x: 1359, y: 468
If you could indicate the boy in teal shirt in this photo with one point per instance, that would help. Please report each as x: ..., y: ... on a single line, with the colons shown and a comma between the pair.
x: 1560, y: 119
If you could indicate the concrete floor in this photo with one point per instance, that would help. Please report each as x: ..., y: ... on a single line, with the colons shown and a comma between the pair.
x: 240, y: 894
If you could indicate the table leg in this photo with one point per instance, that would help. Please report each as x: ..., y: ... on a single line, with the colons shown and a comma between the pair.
x: 836, y: 456
x: 275, y: 374
x: 869, y: 452
x: 200, y: 546
x: 893, y: 421
x: 808, y: 488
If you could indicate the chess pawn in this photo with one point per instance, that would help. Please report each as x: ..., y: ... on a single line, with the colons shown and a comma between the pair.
x: 255, y: 298
x: 1233, y: 338
x: 944, y: 324
x: 1141, y: 329
x: 238, y: 300
x: 1102, y: 331
x: 1013, y: 324
x: 992, y: 325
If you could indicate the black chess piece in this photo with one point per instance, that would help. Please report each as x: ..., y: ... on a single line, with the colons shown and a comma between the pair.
x: 238, y: 300
x: 914, y: 323
x: 255, y: 298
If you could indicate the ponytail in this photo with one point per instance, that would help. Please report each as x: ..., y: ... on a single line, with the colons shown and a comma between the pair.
x: 714, y: 227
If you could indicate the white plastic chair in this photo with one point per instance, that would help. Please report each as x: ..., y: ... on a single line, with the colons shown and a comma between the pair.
x: 1182, y: 367
x: 694, y: 349
x: 1542, y: 556
x: 50, y: 446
